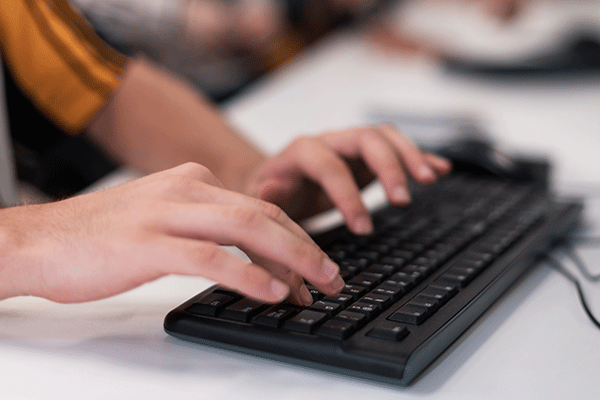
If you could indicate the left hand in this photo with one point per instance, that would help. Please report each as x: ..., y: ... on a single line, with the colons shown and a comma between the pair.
x: 316, y: 173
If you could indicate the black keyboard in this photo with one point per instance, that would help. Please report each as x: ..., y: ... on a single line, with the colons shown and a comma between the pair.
x: 429, y: 271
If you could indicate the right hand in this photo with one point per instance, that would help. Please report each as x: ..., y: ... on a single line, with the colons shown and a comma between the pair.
x: 172, y: 222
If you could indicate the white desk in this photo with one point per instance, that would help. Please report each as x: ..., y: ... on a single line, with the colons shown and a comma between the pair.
x: 536, y: 343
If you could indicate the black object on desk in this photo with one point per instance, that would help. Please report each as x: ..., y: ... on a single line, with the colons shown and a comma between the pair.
x: 412, y: 288
x: 577, y: 53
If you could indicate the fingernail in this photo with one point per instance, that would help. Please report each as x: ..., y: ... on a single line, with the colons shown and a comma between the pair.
x: 305, y: 295
x: 330, y: 269
x: 362, y: 225
x: 401, y: 195
x: 338, y: 284
x: 426, y: 173
x: 279, y: 289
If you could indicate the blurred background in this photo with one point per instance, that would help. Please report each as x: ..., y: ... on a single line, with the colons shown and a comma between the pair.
x: 226, y: 48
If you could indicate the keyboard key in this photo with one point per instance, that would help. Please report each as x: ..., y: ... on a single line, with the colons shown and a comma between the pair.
x: 354, y: 290
x: 431, y: 303
x: 211, y: 304
x: 366, y: 280
x: 394, y: 292
x: 410, y: 314
x: 365, y: 308
x: 384, y: 269
x: 336, y: 329
x: 325, y: 307
x: 404, y: 254
x: 243, y: 310
x: 276, y: 315
x: 305, y: 321
x: 381, y: 301
x: 438, y: 293
x: 357, y: 319
x: 342, y: 299
x: 316, y: 295
x: 404, y: 278
x: 395, y: 261
x: 455, y: 277
x: 389, y: 331
x: 369, y: 255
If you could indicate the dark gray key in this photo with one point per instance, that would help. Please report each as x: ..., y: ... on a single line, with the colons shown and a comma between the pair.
x: 316, y: 295
x: 370, y: 310
x: 243, y: 310
x: 389, y: 331
x: 336, y: 329
x: 365, y: 280
x: 431, y: 303
x: 454, y: 277
x: 305, y: 321
x: 354, y: 290
x: 410, y: 314
x: 383, y: 269
x: 276, y: 315
x: 395, y: 261
x: 210, y: 304
x: 342, y: 299
x: 438, y: 293
x: 394, y: 292
x: 325, y: 307
x: 381, y: 301
x: 357, y: 319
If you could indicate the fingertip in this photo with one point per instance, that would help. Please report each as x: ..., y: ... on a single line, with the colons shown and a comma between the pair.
x: 279, y: 290
x: 441, y: 164
x: 400, y: 195
x: 362, y: 225
x: 338, y: 284
x: 305, y: 296
x: 425, y: 174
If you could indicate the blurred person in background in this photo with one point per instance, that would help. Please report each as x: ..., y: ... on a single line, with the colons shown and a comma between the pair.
x: 220, y: 45
x: 207, y: 186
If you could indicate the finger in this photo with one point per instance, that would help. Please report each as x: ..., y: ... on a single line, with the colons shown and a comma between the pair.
x: 379, y: 155
x: 192, y: 188
x: 200, y: 258
x: 195, y: 171
x: 412, y: 157
x: 323, y: 166
x: 441, y: 165
x: 252, y: 231
x: 299, y: 293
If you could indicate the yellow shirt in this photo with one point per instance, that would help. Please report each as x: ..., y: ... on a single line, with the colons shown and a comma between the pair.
x: 54, y: 55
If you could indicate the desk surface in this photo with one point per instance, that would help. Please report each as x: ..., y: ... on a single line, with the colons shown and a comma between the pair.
x: 536, y: 343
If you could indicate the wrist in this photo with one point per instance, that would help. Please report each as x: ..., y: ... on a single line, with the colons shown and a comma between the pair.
x: 14, y: 278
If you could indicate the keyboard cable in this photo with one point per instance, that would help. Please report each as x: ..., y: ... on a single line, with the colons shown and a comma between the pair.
x: 558, y: 266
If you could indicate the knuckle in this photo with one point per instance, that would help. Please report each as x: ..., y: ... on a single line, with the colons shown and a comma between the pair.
x: 304, y: 142
x: 210, y: 254
x: 307, y: 255
x: 246, y: 217
x: 197, y: 170
x: 177, y: 183
x: 334, y: 167
x: 273, y: 211
x: 368, y: 134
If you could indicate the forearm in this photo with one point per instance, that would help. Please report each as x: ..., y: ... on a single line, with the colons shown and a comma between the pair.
x: 155, y: 121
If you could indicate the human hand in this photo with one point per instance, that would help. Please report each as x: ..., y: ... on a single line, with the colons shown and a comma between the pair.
x: 98, y: 245
x: 315, y: 173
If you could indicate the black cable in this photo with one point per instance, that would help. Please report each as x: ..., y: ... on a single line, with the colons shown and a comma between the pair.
x: 579, y: 263
x: 585, y: 241
x: 558, y: 266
